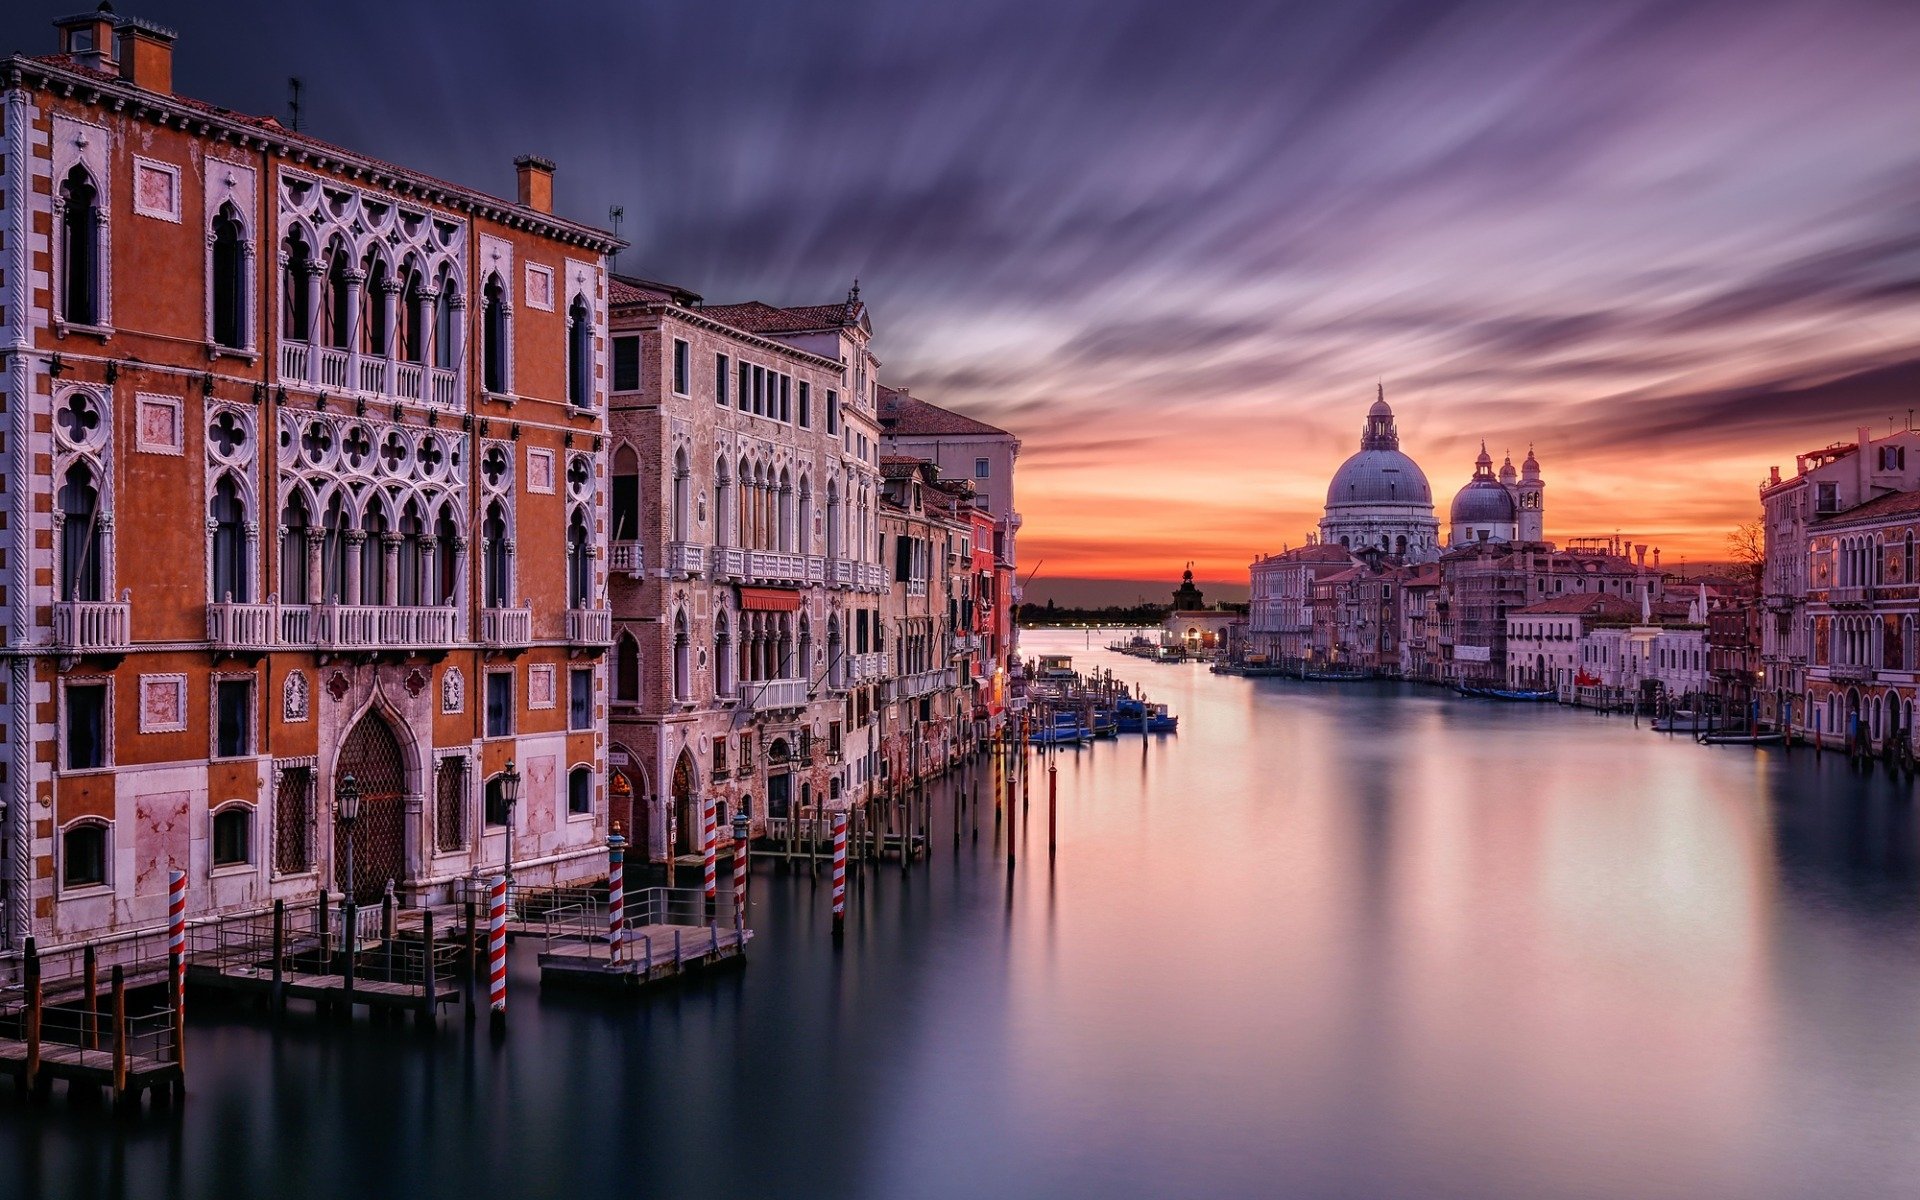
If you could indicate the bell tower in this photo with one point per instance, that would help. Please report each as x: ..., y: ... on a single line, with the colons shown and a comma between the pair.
x: 1533, y: 501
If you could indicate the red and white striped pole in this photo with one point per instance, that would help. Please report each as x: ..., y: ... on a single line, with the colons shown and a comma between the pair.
x: 177, y: 935
x: 616, y: 895
x: 497, y: 953
x: 839, y: 873
x: 710, y: 853
x: 739, y: 880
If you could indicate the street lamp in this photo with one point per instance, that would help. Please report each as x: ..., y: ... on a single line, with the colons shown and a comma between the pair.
x: 509, y: 796
x: 346, y: 801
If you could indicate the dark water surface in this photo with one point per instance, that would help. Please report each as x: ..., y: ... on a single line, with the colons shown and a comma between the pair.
x: 1331, y: 940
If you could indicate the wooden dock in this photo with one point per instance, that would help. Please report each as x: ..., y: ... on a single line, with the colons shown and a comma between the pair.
x: 111, y: 1051
x: 670, y: 934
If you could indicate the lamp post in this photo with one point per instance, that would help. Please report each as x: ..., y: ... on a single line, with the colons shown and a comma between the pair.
x: 509, y: 796
x: 346, y: 802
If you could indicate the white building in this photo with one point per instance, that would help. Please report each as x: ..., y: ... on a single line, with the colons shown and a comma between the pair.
x: 1379, y: 498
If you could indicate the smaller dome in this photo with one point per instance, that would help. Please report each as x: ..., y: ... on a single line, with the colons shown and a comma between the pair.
x: 1530, y: 469
x: 1483, y: 502
x: 1380, y: 409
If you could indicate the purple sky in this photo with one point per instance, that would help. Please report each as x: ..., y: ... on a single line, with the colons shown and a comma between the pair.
x: 1175, y: 245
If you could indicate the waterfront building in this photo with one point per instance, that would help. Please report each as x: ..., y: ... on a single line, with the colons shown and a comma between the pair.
x: 750, y: 649
x: 306, y: 480
x: 1356, y: 620
x: 1862, y: 603
x: 925, y: 717
x: 1420, y: 658
x: 1546, y: 640
x: 1280, y: 616
x: 1379, y: 498
x: 1190, y: 624
x: 1483, y: 582
x: 1825, y: 495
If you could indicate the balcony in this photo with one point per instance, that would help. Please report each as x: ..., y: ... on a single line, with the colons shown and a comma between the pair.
x: 590, y: 627
x: 506, y: 628
x: 776, y: 693
x: 922, y: 683
x: 383, y: 627
x: 1849, y: 673
x: 766, y: 566
x: 916, y: 587
x: 816, y: 569
x: 865, y: 668
x: 93, y: 625
x: 1851, y: 597
x: 729, y: 563
x: 841, y: 572
x: 243, y: 628
x: 686, y: 559
x: 335, y: 369
x: 628, y: 557
x: 873, y: 577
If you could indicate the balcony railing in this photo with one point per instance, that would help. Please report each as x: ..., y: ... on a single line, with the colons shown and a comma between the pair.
x: 685, y: 559
x: 590, y: 627
x: 873, y: 577
x: 407, y: 378
x: 233, y: 626
x: 295, y: 358
x: 380, y: 627
x: 767, y: 566
x: 367, y: 374
x: 776, y: 693
x: 93, y: 624
x: 816, y: 569
x: 1849, y: 673
x: 1846, y: 597
x: 333, y: 369
x: 922, y: 683
x: 373, y: 376
x: 729, y: 562
x: 869, y: 667
x: 629, y: 557
x: 506, y: 628
x: 841, y: 572
x: 446, y: 387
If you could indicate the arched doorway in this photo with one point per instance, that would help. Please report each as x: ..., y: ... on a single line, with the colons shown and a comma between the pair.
x: 686, y: 836
x: 1891, y: 728
x: 373, y: 756
x: 780, y: 782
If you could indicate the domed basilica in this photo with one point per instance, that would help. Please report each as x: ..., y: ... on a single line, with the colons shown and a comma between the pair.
x: 1379, y: 500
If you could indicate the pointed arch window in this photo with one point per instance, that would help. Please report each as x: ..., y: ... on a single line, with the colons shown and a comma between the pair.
x: 413, y: 531
x: 333, y: 552
x: 626, y: 670
x: 339, y: 297
x: 579, y: 561
x: 295, y: 585
x: 446, y: 550
x: 498, y: 556
x: 682, y: 658
x: 723, y: 666
x: 376, y: 320
x: 228, y: 515
x: 230, y: 279
x: 493, y: 337
x: 80, y: 539
x: 625, y: 500
x: 412, y: 331
x: 296, y: 305
x: 80, y: 255
x: 580, y: 353
x: 446, y: 329
x: 373, y: 557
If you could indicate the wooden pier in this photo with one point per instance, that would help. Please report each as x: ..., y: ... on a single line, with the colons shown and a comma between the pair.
x: 671, y: 933
x: 112, y: 1052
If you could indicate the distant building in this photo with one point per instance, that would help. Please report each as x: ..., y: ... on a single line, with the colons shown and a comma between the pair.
x: 1379, y: 498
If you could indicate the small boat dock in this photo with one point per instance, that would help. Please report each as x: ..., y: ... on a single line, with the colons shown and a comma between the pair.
x: 669, y: 933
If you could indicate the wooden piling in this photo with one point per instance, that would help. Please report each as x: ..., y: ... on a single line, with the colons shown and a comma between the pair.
x: 350, y: 938
x: 428, y: 998
x: 119, y: 1020
x: 278, y: 996
x: 1052, y: 809
x: 90, y: 1027
x: 32, y: 981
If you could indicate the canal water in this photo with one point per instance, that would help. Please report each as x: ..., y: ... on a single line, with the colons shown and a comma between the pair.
x: 1356, y: 940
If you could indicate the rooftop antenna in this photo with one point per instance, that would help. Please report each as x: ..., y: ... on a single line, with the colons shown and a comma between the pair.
x: 616, y: 213
x: 293, y: 100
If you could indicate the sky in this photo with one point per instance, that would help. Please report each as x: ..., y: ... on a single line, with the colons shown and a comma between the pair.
x: 1176, y: 247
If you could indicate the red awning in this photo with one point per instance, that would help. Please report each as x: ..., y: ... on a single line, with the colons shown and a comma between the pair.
x: 758, y: 599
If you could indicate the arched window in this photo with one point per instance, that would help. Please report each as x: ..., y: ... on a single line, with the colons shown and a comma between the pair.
x: 722, y: 504
x: 412, y: 530
x: 579, y: 561
x: 376, y: 317
x: 580, y: 353
x: 785, y: 518
x: 803, y: 667
x: 783, y: 663
x: 333, y: 552
x: 79, y: 249
x: 498, y: 563
x: 682, y: 658
x: 833, y: 518
x: 229, y: 283
x: 1906, y: 559
x: 373, y: 557
x: 295, y: 586
x: 233, y: 835
x: 803, y: 527
x: 446, y: 327
x: 229, y: 569
x: 580, y: 791
x: 493, y: 337
x: 626, y: 670
x: 723, y: 681
x: 624, y: 504
x: 80, y: 540
x: 836, y: 667
x: 296, y: 308
x: 412, y: 330
x: 446, y: 551
x: 682, y: 497
x: 340, y: 285
x: 84, y: 855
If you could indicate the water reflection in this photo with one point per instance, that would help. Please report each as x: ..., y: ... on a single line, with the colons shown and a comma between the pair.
x: 1353, y: 940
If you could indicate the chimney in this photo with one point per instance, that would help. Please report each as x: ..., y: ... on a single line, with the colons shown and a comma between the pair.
x: 1640, y: 554
x: 1656, y: 558
x: 536, y: 182
x: 146, y: 55
x: 88, y: 37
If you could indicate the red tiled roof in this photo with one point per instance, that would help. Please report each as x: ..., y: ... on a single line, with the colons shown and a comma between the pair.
x: 1898, y: 504
x: 757, y: 317
x: 902, y: 415
x: 631, y: 289
x: 1580, y: 604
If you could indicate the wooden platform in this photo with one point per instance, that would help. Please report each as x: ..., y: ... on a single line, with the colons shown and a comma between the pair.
x: 653, y: 954
x: 315, y: 985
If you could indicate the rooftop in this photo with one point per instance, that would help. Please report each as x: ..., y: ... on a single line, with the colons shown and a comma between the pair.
x: 755, y: 316
x: 902, y: 415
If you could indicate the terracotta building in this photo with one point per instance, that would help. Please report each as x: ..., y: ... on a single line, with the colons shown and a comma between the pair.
x: 305, y: 476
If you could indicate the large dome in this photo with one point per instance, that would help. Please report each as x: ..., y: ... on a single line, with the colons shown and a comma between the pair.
x: 1483, y: 502
x: 1378, y: 476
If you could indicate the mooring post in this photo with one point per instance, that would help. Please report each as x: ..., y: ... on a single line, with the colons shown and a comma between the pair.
x: 1052, y: 809
x: 1013, y: 835
x: 320, y: 910
x: 676, y: 949
x: 709, y: 855
x: 119, y: 1019
x: 429, y: 986
x: 740, y: 853
x: 839, y: 873
x: 177, y: 963
x: 90, y: 1026
x: 646, y: 960
x: 350, y: 938
x: 616, y: 895
x: 279, y: 994
x: 32, y: 1077
x: 497, y: 955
